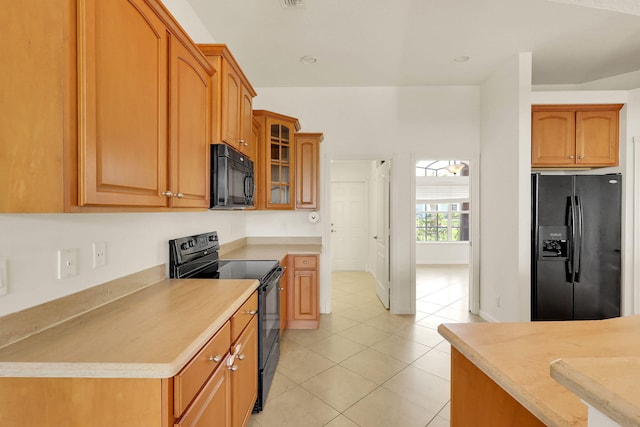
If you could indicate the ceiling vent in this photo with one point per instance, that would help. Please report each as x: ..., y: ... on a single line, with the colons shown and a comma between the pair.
x: 292, y: 4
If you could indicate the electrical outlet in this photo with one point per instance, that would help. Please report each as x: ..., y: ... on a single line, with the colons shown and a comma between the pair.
x: 4, y: 277
x: 99, y: 254
x: 67, y: 263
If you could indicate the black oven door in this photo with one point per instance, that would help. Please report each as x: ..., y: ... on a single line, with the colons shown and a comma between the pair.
x: 270, y: 314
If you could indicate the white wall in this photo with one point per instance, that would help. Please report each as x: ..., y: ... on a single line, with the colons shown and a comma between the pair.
x: 371, y: 123
x: 504, y: 186
x: 135, y: 241
x: 442, y: 253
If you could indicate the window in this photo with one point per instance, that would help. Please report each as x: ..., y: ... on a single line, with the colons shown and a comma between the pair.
x: 442, y: 221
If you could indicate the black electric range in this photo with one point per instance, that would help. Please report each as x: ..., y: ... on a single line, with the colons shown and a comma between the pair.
x: 196, y: 257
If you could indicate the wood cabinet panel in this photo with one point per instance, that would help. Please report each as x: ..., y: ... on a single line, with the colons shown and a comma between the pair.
x: 476, y: 400
x: 212, y: 407
x: 192, y: 377
x: 122, y: 138
x: 190, y: 134
x: 244, y: 380
x: 276, y: 161
x: 597, y: 141
x: 99, y: 402
x: 570, y: 136
x: 553, y: 138
x: 234, y: 113
x: 243, y: 316
x: 307, y: 170
x: 101, y: 141
x: 303, y: 311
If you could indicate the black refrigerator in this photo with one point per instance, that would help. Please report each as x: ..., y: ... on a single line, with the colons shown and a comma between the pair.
x: 576, y: 249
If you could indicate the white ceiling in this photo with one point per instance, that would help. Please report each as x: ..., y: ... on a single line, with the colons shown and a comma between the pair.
x: 414, y: 42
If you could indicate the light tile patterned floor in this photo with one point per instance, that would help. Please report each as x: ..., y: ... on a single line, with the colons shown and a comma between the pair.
x: 366, y: 367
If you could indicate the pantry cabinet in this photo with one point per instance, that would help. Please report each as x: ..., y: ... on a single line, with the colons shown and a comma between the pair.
x: 233, y: 114
x: 276, y: 161
x: 575, y: 136
x: 120, y: 119
x: 307, y: 169
x: 303, y: 298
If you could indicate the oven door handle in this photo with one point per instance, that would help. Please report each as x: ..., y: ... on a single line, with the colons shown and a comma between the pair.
x: 274, y: 276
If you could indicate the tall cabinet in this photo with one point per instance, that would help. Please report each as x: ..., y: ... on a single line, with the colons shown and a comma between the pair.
x: 276, y: 160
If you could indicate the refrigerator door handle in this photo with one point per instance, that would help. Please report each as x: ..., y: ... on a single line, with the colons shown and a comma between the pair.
x: 572, y: 231
x: 578, y: 240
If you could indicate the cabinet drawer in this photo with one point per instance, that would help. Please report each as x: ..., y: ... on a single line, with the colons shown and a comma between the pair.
x: 308, y: 261
x: 188, y: 381
x: 243, y: 316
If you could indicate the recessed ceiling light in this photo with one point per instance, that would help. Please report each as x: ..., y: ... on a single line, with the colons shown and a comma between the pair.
x: 308, y: 59
x: 463, y: 58
x: 292, y: 4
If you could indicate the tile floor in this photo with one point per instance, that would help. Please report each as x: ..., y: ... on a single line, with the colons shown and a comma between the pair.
x: 367, y: 367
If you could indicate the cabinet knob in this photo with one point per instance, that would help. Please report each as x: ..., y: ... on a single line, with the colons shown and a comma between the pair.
x: 167, y: 193
x: 240, y: 357
x: 179, y: 195
x: 304, y: 262
x: 233, y: 368
x: 581, y: 157
x: 570, y: 157
x: 243, y: 142
x: 282, y: 289
x: 251, y: 313
x: 215, y: 358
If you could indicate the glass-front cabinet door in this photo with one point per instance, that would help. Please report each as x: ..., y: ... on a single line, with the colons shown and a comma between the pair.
x: 280, y: 164
x: 278, y: 160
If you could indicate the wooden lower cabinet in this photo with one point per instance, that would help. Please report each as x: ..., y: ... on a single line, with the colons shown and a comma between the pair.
x: 476, y: 400
x: 244, y: 375
x: 212, y: 406
x: 77, y: 402
x: 303, y: 310
x: 217, y: 387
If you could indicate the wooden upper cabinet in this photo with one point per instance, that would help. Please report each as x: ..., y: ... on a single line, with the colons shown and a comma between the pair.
x: 232, y: 118
x: 122, y: 87
x: 121, y: 75
x: 307, y: 169
x: 597, y: 141
x: 575, y: 135
x: 190, y: 134
x: 276, y: 161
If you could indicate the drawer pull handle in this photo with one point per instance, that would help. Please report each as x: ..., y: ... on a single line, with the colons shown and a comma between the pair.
x: 240, y: 357
x: 251, y: 313
x: 217, y: 358
x: 233, y: 368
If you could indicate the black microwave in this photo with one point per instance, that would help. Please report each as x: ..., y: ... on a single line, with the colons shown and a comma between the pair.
x: 232, y: 178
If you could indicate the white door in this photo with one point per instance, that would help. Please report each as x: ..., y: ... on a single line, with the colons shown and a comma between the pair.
x: 348, y: 226
x: 382, y: 233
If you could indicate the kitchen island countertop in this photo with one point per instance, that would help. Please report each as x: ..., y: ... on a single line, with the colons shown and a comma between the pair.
x: 517, y: 357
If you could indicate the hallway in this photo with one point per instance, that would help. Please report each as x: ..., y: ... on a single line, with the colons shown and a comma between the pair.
x: 367, y: 367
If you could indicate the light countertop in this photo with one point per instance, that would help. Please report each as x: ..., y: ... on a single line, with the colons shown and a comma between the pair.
x: 517, y: 356
x: 272, y: 251
x: 609, y: 384
x: 151, y: 333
